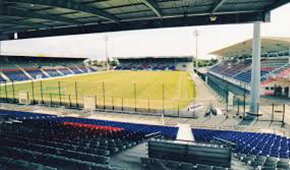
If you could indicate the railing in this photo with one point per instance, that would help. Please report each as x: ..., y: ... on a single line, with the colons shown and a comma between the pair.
x: 238, y: 106
x: 188, y: 142
x: 276, y: 71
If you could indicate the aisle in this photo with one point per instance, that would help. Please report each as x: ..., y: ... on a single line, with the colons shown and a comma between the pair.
x: 184, y: 132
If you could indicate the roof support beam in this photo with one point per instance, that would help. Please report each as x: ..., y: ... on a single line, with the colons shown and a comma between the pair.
x: 12, y: 25
x: 31, y: 14
x: 22, y: 22
x: 217, y: 6
x: 18, y: 30
x: 277, y: 4
x: 146, y: 24
x: 152, y: 4
x: 69, y: 4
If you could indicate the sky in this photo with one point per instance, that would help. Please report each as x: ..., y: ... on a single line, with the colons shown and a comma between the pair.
x: 154, y: 42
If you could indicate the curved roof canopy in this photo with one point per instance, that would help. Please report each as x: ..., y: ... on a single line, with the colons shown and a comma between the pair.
x: 39, y: 18
x: 268, y: 44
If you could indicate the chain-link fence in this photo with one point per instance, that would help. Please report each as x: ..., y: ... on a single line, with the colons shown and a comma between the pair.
x: 72, y: 96
x: 59, y: 95
x: 239, y: 103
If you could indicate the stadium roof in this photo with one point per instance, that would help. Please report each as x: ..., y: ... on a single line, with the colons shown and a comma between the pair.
x: 42, y: 56
x: 159, y: 57
x: 40, y: 18
x: 268, y: 44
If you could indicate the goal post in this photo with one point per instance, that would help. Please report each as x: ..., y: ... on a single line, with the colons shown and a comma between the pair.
x: 24, y: 98
x: 89, y: 102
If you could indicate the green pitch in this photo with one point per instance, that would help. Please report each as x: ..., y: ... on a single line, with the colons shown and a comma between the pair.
x: 116, y: 88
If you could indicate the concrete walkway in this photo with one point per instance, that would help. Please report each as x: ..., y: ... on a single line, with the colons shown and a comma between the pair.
x: 206, y: 96
x: 130, y: 158
x: 184, y: 132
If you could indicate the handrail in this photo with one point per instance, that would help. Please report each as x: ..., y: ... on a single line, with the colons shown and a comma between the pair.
x: 225, y: 141
x: 152, y: 134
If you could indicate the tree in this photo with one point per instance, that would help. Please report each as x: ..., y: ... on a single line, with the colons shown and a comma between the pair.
x: 205, y: 63
x: 114, y: 62
x: 88, y: 62
x: 95, y: 62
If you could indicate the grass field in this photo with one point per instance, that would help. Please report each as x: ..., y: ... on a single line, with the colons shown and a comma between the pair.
x: 178, y: 89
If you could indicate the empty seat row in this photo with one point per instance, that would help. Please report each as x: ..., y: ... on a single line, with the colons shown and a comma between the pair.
x: 155, y: 164
x: 241, y: 70
x: 264, y: 162
x: 263, y: 144
x: 67, y: 142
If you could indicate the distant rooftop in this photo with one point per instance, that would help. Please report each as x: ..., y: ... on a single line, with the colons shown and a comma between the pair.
x: 159, y: 57
x: 268, y: 44
x: 40, y: 56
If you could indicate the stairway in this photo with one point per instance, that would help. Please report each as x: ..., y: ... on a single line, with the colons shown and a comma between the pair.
x: 184, y: 132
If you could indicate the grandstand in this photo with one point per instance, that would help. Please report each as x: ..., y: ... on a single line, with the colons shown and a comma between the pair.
x: 181, y: 63
x: 33, y: 140
x: 23, y: 68
x: 235, y: 64
x: 77, y: 150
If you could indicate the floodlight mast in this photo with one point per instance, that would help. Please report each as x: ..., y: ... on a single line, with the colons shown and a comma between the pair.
x: 196, y: 33
x: 106, y: 51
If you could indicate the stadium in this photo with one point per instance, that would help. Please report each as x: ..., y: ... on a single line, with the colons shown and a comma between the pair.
x: 143, y: 112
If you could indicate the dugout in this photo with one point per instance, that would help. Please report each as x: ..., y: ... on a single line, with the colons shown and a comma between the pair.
x: 191, y: 152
